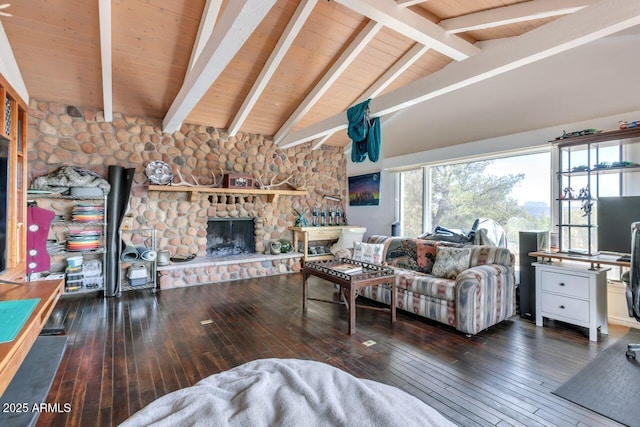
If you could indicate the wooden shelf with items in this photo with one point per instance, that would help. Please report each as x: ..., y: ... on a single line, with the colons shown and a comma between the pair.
x: 272, y: 195
x: 13, y: 163
x: 303, y: 236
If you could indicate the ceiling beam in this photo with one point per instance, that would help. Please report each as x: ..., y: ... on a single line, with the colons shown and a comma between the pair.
x: 407, y: 3
x: 239, y: 19
x: 399, y: 67
x: 520, y: 12
x: 395, y: 71
x: 413, y: 26
x: 104, y: 12
x: 338, y: 67
x: 599, y: 20
x: 205, y: 29
x: 318, y: 143
x: 284, y: 43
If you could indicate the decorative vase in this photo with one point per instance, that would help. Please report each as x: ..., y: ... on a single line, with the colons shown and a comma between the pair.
x: 275, y: 248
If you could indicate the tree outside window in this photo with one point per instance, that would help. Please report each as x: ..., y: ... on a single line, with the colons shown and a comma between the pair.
x: 513, y: 191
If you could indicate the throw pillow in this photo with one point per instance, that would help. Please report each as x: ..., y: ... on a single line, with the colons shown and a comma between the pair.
x: 368, y: 252
x: 347, y: 237
x: 451, y: 261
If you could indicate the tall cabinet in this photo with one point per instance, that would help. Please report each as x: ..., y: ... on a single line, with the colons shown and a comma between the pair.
x: 13, y: 131
x: 589, y: 167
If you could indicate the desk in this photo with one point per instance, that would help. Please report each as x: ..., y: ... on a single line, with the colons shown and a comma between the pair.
x: 595, y: 260
x: 13, y: 353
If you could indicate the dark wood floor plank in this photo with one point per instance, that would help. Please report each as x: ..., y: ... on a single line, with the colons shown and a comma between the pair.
x: 123, y: 353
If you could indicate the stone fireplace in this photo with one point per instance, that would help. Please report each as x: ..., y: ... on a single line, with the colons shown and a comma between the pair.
x: 230, y: 236
x: 62, y: 135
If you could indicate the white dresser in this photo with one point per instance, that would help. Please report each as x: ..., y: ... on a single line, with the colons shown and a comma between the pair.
x: 573, y: 294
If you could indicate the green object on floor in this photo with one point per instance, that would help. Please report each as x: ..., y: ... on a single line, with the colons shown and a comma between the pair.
x: 13, y: 315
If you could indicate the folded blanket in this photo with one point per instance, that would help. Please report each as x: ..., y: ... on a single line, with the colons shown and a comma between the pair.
x: 287, y: 392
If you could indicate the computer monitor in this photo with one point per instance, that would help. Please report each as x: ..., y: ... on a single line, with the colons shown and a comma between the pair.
x: 614, y: 216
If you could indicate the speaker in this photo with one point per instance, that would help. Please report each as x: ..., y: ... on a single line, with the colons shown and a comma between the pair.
x: 530, y: 241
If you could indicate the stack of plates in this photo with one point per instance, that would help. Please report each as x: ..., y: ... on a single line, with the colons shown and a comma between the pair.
x: 86, y: 212
x: 84, y: 240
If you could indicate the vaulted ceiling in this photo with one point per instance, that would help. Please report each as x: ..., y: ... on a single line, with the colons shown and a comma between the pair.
x: 286, y: 68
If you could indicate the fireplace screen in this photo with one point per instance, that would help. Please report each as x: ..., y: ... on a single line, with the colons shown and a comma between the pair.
x: 230, y: 236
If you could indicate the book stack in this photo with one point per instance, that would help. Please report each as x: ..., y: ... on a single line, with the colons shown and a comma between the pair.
x: 347, y: 268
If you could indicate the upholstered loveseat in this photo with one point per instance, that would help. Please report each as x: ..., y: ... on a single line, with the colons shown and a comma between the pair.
x: 469, y: 287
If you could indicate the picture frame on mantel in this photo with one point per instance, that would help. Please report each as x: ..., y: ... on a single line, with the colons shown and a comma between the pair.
x: 364, y: 190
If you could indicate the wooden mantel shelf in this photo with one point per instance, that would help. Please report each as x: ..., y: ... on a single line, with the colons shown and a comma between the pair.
x: 272, y: 195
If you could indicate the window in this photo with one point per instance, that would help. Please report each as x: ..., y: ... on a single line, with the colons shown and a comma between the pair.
x: 412, y: 202
x: 514, y: 191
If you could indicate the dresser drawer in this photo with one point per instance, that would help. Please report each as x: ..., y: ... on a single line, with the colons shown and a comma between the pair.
x: 566, y: 284
x: 565, y: 307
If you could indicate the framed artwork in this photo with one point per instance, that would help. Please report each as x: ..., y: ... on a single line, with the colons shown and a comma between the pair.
x: 364, y: 190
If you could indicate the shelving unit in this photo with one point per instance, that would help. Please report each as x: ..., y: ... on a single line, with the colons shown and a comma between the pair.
x: 13, y: 162
x: 148, y: 237
x: 590, y: 162
x: 64, y: 223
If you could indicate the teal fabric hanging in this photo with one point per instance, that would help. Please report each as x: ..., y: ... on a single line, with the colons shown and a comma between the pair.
x: 364, y: 132
x: 373, y: 139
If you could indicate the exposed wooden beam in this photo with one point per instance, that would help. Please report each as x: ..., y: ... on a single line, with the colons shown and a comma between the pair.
x: 284, y: 43
x: 239, y: 19
x: 520, y: 12
x: 395, y: 71
x: 9, y: 68
x: 599, y: 20
x: 338, y: 67
x: 385, y: 80
x: 413, y: 26
x: 407, y: 3
x: 318, y: 143
x: 104, y: 12
x: 205, y: 29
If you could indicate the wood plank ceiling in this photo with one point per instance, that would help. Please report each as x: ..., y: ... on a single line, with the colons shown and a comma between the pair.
x: 57, y: 46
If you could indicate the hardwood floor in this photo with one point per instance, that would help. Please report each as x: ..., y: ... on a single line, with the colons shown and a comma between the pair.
x: 124, y: 353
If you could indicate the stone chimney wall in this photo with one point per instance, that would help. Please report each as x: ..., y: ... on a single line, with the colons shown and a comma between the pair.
x: 61, y: 135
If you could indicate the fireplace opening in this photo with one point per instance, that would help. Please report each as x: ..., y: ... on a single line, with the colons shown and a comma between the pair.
x: 230, y: 236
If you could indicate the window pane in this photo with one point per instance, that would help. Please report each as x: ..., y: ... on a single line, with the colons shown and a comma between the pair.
x: 513, y: 191
x: 411, y: 202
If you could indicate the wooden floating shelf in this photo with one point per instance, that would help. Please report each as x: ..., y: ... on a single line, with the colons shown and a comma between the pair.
x: 272, y: 195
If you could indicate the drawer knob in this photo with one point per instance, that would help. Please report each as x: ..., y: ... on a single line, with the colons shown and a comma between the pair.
x: 561, y: 284
x: 562, y: 307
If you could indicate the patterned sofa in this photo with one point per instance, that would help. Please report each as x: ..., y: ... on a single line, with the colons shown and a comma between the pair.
x: 471, y: 296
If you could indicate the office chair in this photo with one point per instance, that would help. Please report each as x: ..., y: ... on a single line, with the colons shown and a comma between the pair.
x: 632, y: 280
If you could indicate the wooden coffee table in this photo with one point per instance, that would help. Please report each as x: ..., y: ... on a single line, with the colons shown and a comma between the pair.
x: 350, y: 284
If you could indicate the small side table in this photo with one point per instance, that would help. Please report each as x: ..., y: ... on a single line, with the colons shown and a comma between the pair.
x: 350, y: 284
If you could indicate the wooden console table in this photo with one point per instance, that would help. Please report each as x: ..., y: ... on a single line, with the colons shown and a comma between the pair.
x: 310, y: 234
x: 13, y: 353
